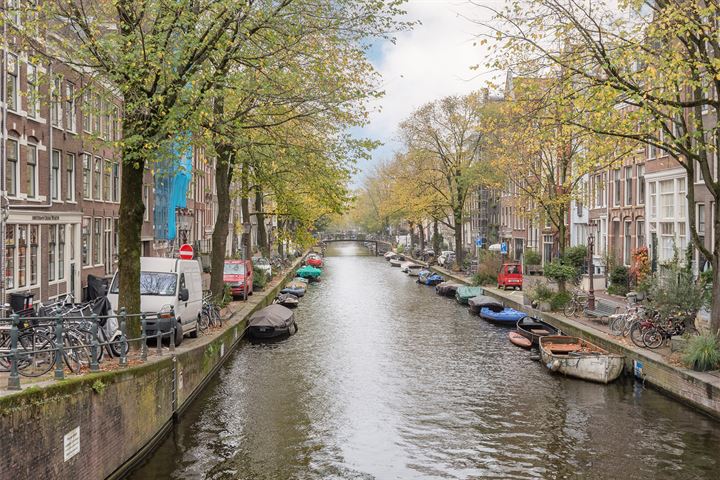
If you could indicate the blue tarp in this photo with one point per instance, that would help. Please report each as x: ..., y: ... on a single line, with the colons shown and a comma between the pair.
x: 172, y: 179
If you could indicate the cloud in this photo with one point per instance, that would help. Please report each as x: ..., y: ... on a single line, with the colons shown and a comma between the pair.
x: 431, y: 61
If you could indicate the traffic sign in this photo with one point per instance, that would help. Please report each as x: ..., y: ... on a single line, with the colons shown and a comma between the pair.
x: 478, y: 242
x: 186, y: 252
x: 503, y: 248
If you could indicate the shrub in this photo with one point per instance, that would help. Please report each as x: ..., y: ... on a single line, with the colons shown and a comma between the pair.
x: 640, y: 268
x: 576, y: 256
x: 541, y: 292
x: 259, y: 280
x: 489, y: 264
x: 618, y: 281
x: 532, y: 257
x: 702, y: 352
x: 400, y: 248
x: 484, y: 278
x: 675, y: 290
x: 559, y: 300
x: 560, y: 272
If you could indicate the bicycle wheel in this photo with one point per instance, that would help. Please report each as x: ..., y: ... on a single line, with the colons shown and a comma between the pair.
x: 76, y: 353
x: 215, y: 312
x: 617, y: 325
x: 653, y: 338
x: 36, y: 354
x: 570, y: 309
x: 204, y: 322
x: 636, y: 333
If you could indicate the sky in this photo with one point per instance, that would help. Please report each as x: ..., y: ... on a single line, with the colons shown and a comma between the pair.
x: 432, y: 60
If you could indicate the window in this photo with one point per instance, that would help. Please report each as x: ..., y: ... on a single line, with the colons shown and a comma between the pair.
x: 640, y: 232
x: 616, y: 187
x: 681, y: 197
x: 667, y: 246
x: 34, y: 237
x: 599, y: 191
x: 682, y: 237
x: 146, y: 202
x: 87, y: 175
x: 116, y: 181
x: 107, y: 185
x: 11, y: 171
x: 107, y: 121
x: 33, y: 95
x: 652, y: 152
x: 13, y: 9
x: 108, y: 246
x: 22, y: 255
x: 70, y: 106
x: 667, y: 199
x: 12, y: 86
x: 641, y: 184
x: 96, y: 245
x: 116, y: 124
x: 55, y: 175
x: 31, y: 185
x: 97, y: 178
x: 70, y: 177
x: 10, y: 256
x: 701, y: 219
x: 61, y: 252
x: 653, y: 200
x: 97, y: 106
x: 628, y: 186
x: 87, y: 117
x: 628, y: 241
x: 85, y: 241
x: 71, y: 234
x: 52, y: 252
x: 55, y: 102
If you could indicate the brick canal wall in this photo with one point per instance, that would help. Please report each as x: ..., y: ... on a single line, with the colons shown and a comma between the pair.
x: 700, y: 390
x: 100, y: 425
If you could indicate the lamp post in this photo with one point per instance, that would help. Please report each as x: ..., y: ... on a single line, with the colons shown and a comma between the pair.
x: 591, y: 269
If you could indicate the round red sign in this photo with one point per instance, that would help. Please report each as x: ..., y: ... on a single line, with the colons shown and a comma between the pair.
x: 186, y: 252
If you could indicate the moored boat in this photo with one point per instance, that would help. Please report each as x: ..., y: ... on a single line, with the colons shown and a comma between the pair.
x: 465, y: 293
x: 404, y: 266
x: 426, y: 277
x: 296, y: 288
x: 395, y: 262
x: 533, y: 328
x: 579, y: 358
x: 287, y: 300
x: 388, y: 255
x: 507, y: 316
x: 314, y: 260
x: 272, y: 321
x: 414, y: 269
x: 309, y: 272
x: 483, y: 301
x: 447, y: 289
x: 519, y: 340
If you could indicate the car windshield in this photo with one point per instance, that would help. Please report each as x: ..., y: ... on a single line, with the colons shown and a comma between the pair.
x: 152, y: 283
x: 234, y: 269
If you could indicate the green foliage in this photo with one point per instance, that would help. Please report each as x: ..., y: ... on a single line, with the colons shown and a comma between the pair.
x: 541, y: 292
x: 98, y: 386
x: 532, y: 257
x: 674, y: 291
x: 619, y: 280
x: 576, y: 256
x: 559, y: 300
x: 489, y: 264
x: 259, y: 279
x: 702, y: 352
x: 561, y: 272
x: 400, y: 248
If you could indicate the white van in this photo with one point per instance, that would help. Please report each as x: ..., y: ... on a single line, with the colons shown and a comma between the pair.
x: 165, y: 283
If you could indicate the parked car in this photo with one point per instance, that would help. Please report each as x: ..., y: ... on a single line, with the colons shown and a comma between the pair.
x: 446, y: 258
x: 262, y: 263
x: 164, y: 283
x: 238, y: 274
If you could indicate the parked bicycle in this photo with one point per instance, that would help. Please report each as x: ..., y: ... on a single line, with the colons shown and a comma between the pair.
x: 577, y: 304
x: 210, y: 313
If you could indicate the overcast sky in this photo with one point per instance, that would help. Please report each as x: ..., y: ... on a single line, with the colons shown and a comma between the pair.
x: 426, y: 63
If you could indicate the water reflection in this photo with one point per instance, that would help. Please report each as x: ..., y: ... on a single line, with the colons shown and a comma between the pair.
x: 386, y: 380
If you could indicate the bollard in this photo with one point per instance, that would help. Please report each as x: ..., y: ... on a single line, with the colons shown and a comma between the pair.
x: 143, y: 336
x: 158, y: 335
x: 172, y: 336
x: 14, y: 378
x: 59, y: 351
x: 94, y: 351
x: 123, y: 349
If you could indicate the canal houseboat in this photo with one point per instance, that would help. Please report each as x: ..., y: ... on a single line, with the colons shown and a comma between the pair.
x: 272, y: 321
x: 579, y: 358
x: 532, y: 329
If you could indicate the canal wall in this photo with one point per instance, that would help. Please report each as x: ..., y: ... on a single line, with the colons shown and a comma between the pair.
x: 101, y: 425
x: 700, y: 390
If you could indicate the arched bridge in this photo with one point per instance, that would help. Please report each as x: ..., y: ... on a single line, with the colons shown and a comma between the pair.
x: 380, y: 245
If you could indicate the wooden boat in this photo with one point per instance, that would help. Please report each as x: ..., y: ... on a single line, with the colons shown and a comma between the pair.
x: 533, y: 328
x: 464, y: 294
x: 519, y: 340
x: 483, y: 301
x: 579, y: 358
x: 507, y: 316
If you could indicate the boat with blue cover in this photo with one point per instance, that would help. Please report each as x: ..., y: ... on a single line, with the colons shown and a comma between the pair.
x: 426, y: 277
x: 296, y: 288
x: 506, y: 316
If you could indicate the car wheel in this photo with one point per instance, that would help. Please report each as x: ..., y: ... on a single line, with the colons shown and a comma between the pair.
x: 178, y: 334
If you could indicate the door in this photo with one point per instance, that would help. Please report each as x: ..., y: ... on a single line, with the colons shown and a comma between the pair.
x: 182, y: 305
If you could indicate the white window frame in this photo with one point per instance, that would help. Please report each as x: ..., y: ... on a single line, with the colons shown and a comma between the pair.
x: 70, y: 176
x: 56, y: 175
x: 12, y: 85
x: 31, y: 176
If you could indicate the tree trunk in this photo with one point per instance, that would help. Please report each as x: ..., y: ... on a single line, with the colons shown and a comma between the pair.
x: 715, y: 262
x: 457, y: 217
x: 280, y: 239
x: 245, y: 209
x: 421, y: 237
x: 262, y: 238
x: 223, y: 180
x: 436, y: 239
x: 130, y: 225
x: 412, y: 230
x: 562, y: 244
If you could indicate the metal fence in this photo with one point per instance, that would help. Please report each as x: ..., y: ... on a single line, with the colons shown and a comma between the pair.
x: 33, y: 346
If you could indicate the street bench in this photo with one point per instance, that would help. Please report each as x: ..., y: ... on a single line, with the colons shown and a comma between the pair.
x: 602, y: 311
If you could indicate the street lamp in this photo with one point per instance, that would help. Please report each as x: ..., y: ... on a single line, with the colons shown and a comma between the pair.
x: 591, y: 270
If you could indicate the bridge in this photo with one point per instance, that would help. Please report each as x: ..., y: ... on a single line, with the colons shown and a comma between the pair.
x: 378, y: 243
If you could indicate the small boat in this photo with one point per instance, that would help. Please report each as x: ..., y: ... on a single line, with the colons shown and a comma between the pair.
x: 519, y: 340
x: 394, y: 262
x: 287, y: 300
x: 302, y: 280
x: 507, y: 316
x: 388, y: 255
x: 426, y: 277
x: 404, y: 266
x: 314, y: 260
x: 295, y: 288
x: 272, y: 321
x: 309, y: 272
x: 533, y: 328
x: 483, y: 301
x: 579, y: 358
x: 465, y: 293
x: 447, y: 289
x: 414, y: 269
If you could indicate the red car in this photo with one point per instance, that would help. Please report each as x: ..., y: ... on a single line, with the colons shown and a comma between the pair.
x: 510, y: 276
x: 238, y: 274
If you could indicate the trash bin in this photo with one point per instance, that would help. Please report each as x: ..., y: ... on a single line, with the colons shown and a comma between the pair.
x: 21, y: 301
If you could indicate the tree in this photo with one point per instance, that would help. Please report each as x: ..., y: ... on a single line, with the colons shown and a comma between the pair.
x: 444, y: 148
x: 650, y: 72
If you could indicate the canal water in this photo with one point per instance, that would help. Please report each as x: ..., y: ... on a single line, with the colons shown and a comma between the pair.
x: 386, y: 380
